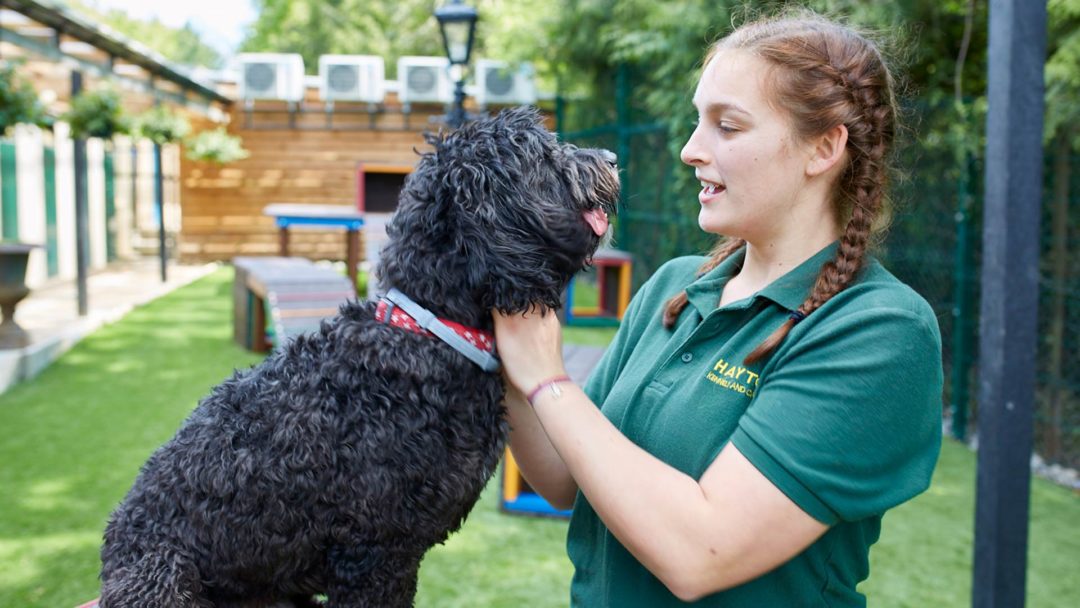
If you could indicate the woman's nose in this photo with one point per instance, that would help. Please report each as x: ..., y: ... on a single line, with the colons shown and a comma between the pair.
x: 693, y: 152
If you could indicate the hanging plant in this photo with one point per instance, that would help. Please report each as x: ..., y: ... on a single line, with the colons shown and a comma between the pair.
x: 19, y: 102
x: 215, y: 146
x: 97, y: 114
x: 162, y: 126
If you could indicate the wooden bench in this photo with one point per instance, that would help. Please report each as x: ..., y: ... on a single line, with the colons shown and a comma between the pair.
x: 290, y: 295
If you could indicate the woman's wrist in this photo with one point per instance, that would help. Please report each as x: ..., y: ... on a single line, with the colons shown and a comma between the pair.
x: 547, y: 385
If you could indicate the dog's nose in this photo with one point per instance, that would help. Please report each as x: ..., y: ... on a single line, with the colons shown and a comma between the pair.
x: 610, y: 157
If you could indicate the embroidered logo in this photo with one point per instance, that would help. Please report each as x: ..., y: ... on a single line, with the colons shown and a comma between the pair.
x: 734, y: 377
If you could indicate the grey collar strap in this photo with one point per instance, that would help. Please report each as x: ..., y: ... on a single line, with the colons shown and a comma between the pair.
x: 427, y: 320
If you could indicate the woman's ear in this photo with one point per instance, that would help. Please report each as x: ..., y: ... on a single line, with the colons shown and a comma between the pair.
x: 828, y: 150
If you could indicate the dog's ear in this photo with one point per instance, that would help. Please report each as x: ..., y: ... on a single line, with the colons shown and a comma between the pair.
x: 512, y: 211
x: 525, y: 252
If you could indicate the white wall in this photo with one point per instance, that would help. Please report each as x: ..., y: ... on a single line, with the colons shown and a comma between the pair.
x: 30, y: 180
x: 65, y: 199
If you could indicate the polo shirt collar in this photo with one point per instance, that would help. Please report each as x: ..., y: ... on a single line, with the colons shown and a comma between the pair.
x: 789, y: 291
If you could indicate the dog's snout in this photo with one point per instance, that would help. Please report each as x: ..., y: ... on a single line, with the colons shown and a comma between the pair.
x: 610, y: 157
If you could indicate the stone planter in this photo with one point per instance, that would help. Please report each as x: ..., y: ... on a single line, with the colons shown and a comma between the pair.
x: 13, y: 260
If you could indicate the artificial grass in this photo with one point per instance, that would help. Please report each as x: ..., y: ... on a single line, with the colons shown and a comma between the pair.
x: 74, y: 438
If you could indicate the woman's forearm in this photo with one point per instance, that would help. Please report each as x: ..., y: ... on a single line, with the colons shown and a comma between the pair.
x: 538, y: 460
x: 653, y: 509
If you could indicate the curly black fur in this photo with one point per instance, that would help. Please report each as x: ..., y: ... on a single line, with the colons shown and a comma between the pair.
x: 334, y: 465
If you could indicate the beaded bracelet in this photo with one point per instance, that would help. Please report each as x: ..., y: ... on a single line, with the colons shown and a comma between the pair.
x: 550, y: 383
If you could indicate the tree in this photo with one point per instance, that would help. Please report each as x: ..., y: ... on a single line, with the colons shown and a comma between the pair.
x: 388, y: 28
x: 182, y: 45
x: 509, y: 30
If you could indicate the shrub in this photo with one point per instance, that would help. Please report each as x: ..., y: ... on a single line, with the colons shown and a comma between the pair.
x: 19, y: 102
x: 162, y: 126
x: 97, y: 114
x: 215, y: 146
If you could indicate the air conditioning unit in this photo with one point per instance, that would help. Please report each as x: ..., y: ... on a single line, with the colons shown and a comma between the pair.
x: 351, y: 78
x: 498, y: 84
x: 271, y: 76
x: 424, y: 80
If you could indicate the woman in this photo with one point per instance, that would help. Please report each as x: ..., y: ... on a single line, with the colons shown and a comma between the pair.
x: 758, y: 410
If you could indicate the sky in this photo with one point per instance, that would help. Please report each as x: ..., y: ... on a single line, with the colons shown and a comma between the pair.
x: 221, y: 22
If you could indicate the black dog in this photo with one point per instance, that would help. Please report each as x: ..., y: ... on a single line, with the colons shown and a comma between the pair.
x: 334, y: 465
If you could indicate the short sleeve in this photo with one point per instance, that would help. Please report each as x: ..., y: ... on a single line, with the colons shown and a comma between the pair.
x: 847, y: 420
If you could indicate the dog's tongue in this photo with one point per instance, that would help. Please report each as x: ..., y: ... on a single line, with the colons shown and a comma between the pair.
x: 597, y: 220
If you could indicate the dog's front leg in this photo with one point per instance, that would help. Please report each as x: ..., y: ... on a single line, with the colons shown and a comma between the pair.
x: 371, y: 576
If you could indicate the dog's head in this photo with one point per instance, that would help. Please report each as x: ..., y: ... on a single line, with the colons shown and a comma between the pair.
x: 499, y: 215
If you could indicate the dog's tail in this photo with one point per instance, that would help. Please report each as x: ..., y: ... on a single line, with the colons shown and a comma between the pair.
x: 161, y: 578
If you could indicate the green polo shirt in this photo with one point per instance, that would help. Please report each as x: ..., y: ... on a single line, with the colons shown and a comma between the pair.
x: 844, y: 417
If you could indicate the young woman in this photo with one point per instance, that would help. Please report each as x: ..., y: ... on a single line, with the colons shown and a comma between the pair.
x: 759, y: 409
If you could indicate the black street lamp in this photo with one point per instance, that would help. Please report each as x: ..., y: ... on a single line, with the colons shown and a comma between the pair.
x: 457, y: 22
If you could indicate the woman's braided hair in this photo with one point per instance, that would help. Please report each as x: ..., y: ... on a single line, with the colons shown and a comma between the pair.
x: 823, y: 74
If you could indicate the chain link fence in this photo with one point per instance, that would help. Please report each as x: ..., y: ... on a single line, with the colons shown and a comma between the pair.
x: 933, y: 243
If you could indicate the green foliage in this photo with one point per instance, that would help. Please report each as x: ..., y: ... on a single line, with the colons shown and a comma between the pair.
x: 388, y: 28
x: 508, y: 29
x: 97, y: 113
x: 1063, y: 71
x: 215, y: 146
x: 182, y: 45
x: 162, y: 125
x: 19, y: 101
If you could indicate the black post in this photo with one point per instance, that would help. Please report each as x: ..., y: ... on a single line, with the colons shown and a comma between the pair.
x: 159, y: 196
x: 1010, y: 296
x: 82, y: 216
x: 457, y: 113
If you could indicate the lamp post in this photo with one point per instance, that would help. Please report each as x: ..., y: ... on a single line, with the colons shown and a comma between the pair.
x: 457, y: 22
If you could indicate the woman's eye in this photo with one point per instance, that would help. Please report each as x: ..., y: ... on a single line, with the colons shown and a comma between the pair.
x: 726, y: 128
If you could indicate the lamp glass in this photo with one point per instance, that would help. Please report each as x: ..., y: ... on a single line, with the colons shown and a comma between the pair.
x: 457, y: 40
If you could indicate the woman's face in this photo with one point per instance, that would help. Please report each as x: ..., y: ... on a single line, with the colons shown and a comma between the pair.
x: 744, y: 151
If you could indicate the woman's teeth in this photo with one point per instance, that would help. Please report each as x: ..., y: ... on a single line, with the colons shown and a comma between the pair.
x: 711, y: 188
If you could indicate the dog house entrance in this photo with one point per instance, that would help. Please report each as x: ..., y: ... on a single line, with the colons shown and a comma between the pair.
x: 378, y: 187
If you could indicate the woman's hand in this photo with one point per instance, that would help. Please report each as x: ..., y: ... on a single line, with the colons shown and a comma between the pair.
x: 530, y: 347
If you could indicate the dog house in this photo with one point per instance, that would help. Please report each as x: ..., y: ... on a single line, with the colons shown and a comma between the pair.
x: 613, y: 272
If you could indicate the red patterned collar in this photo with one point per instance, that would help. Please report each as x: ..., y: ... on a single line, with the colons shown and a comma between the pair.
x: 483, y: 340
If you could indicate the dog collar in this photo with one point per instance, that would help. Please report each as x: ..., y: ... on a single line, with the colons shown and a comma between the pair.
x: 397, y: 309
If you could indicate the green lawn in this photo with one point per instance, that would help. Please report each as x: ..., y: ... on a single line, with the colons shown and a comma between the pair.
x: 73, y: 440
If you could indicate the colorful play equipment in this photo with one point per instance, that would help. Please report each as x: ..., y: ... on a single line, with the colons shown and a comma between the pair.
x: 520, y: 499
x: 614, y: 269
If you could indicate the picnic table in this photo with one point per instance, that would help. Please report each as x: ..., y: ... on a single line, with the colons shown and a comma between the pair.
x: 287, y: 215
x: 296, y: 293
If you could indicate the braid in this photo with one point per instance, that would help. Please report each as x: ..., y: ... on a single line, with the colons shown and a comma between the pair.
x: 839, y: 69
x: 675, y: 305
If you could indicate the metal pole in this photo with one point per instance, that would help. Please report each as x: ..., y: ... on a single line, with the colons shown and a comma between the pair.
x: 82, y: 217
x: 622, y: 122
x: 457, y: 113
x: 159, y: 197
x: 1010, y: 297
x: 962, y: 309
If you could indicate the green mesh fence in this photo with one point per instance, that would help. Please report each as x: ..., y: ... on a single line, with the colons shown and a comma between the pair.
x: 933, y: 243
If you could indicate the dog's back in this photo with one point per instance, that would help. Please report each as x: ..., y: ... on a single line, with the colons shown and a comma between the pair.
x: 335, y: 464
x: 361, y: 440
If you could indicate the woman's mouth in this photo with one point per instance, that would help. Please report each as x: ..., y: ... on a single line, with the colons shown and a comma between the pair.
x: 709, y: 190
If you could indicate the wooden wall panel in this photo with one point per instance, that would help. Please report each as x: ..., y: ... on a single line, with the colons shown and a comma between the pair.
x: 222, y: 206
x: 311, y: 164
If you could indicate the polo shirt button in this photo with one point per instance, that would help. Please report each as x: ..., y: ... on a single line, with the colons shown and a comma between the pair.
x: 687, y: 357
